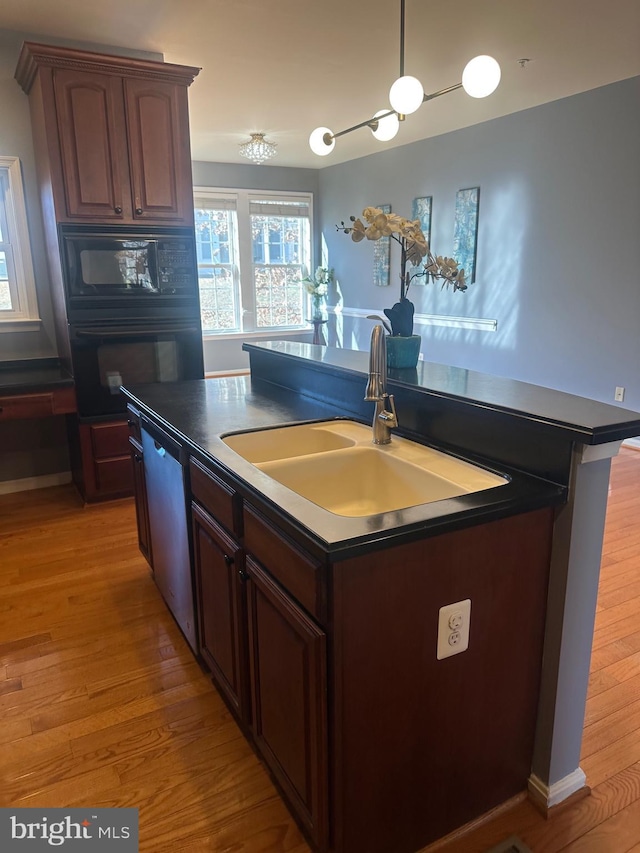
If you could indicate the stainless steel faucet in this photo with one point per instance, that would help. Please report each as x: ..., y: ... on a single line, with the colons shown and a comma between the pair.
x: 383, y: 419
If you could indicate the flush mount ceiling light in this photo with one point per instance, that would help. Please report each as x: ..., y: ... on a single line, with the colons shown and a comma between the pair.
x: 258, y: 149
x: 479, y: 79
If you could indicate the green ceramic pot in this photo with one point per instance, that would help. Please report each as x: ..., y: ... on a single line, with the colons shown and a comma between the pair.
x: 402, y: 352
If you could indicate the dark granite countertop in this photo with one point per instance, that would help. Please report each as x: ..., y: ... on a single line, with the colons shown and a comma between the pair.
x: 199, y: 412
x: 29, y: 376
x: 588, y: 421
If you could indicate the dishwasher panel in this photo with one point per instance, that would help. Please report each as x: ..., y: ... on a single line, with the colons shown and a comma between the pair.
x: 168, y: 527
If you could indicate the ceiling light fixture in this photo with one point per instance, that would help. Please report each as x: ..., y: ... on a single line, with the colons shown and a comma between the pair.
x: 258, y: 149
x: 479, y: 79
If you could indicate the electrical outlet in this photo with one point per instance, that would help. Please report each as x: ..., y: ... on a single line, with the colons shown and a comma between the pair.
x: 619, y: 395
x: 453, y: 628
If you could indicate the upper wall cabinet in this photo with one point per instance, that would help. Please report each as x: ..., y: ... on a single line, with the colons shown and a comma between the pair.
x: 113, y: 133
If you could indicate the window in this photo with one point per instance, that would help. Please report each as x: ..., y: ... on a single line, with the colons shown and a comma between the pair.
x: 253, y: 250
x: 18, y: 304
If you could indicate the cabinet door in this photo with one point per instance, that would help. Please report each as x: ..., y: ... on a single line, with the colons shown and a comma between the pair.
x: 92, y: 137
x: 103, y: 468
x: 159, y: 151
x: 140, y: 495
x: 287, y: 654
x: 221, y: 608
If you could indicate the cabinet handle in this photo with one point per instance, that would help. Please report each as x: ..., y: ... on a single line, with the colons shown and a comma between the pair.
x: 243, y: 575
x: 137, y: 457
x: 129, y: 422
x: 139, y: 211
x: 228, y: 560
x: 118, y: 209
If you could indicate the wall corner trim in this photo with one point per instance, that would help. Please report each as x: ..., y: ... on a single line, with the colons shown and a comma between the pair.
x: 548, y: 796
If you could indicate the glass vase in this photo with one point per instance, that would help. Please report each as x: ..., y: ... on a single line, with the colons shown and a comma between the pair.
x: 317, y: 308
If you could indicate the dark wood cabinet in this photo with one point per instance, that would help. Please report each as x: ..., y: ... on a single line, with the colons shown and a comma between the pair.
x: 93, y: 145
x: 221, y: 608
x: 266, y: 654
x: 159, y: 151
x: 42, y: 404
x: 287, y: 653
x: 111, y: 143
x: 114, y: 132
x: 375, y: 743
x: 101, y: 459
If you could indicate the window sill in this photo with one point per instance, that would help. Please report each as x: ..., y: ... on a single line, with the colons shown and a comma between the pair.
x: 268, y: 333
x: 15, y: 325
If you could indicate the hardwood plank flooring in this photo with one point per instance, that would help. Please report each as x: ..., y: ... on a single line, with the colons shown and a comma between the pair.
x: 102, y: 703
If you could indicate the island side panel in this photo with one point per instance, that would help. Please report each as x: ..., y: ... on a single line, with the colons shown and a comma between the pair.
x: 425, y: 745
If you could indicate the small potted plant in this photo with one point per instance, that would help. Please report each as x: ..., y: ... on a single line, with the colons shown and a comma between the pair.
x: 403, y: 347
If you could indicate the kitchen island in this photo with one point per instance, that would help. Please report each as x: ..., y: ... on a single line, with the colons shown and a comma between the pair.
x: 321, y: 632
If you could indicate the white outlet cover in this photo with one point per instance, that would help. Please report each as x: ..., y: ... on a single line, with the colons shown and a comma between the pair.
x: 452, y: 641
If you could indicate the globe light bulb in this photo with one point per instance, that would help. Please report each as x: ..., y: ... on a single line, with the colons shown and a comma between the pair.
x: 318, y: 144
x: 406, y: 95
x: 387, y: 126
x: 481, y: 76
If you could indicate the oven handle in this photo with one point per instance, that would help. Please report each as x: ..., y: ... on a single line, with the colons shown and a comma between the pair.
x: 110, y: 333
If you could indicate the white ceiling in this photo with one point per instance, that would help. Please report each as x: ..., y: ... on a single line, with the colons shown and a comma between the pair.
x: 283, y: 67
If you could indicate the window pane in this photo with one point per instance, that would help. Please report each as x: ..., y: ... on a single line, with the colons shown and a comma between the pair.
x: 279, y: 296
x: 218, y: 302
x: 219, y: 298
x: 5, y: 294
x: 213, y: 236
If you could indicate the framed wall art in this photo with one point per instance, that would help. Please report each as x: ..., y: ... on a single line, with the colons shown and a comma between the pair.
x: 465, y: 232
x: 421, y: 210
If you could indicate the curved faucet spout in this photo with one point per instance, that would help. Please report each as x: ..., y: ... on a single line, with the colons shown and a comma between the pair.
x: 377, y: 384
x: 383, y: 419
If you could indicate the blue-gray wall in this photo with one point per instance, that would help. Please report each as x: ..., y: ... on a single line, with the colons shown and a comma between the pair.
x: 558, y: 262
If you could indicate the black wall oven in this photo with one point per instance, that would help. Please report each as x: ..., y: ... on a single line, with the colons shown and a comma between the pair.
x: 133, y: 310
x: 108, y: 354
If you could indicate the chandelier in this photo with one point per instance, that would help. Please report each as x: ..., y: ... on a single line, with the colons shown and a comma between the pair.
x: 479, y: 79
x: 258, y: 149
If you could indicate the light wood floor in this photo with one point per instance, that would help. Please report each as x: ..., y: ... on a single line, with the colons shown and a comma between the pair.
x: 102, y: 703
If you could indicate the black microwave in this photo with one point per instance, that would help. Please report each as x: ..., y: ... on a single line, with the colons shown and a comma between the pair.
x: 127, y: 267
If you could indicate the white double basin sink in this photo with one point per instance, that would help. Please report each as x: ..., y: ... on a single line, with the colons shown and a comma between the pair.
x: 335, y: 465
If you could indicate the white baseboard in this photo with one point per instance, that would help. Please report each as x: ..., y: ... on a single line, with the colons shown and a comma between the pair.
x: 551, y: 795
x: 217, y: 374
x: 7, y: 487
x: 632, y: 442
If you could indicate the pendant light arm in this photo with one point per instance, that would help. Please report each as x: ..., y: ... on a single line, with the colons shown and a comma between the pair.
x: 442, y: 92
x: 370, y: 122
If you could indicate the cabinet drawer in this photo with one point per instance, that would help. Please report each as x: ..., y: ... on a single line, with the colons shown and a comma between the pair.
x: 298, y: 573
x: 43, y: 405
x: 219, y: 499
x: 114, y: 476
x: 110, y: 439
